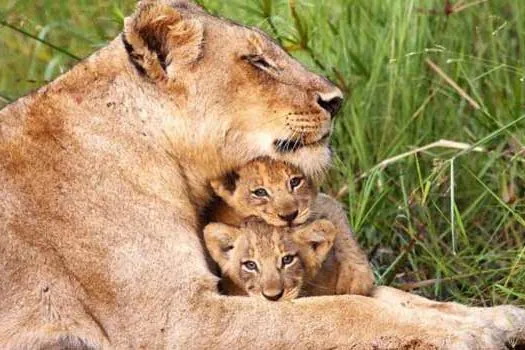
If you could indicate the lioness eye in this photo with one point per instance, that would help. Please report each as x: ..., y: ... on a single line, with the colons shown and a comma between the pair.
x: 258, y: 61
x: 250, y: 265
x: 260, y: 192
x: 296, y: 182
x: 288, y: 259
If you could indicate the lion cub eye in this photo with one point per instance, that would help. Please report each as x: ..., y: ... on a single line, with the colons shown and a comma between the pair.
x: 250, y: 265
x: 260, y: 192
x: 296, y: 182
x: 288, y: 260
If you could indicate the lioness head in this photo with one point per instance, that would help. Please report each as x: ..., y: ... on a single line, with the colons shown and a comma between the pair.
x: 272, y: 262
x: 231, y: 86
x: 277, y: 192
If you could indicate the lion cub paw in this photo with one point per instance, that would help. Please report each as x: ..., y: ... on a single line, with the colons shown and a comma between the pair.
x: 356, y: 279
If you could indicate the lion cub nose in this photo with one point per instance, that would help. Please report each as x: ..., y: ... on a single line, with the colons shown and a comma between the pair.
x: 274, y: 297
x: 330, y: 102
x: 289, y: 217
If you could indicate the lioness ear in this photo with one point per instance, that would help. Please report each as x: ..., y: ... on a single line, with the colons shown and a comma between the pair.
x: 186, y: 4
x: 220, y: 241
x: 317, y: 238
x: 159, y: 40
x: 225, y: 186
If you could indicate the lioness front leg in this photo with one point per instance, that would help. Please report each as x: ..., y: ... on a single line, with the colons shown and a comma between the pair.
x: 328, y: 322
x: 354, y: 275
x: 508, y: 320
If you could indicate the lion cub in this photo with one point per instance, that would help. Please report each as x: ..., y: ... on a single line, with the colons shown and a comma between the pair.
x: 281, y: 195
x: 274, y: 191
x: 257, y: 259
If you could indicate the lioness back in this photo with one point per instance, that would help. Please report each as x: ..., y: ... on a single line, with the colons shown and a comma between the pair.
x: 257, y: 259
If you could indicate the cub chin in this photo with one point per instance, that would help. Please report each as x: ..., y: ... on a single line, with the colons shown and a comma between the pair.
x: 281, y: 195
x: 271, y: 262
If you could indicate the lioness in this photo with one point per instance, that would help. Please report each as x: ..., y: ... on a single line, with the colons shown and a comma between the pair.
x: 280, y: 194
x: 105, y: 170
x: 258, y: 259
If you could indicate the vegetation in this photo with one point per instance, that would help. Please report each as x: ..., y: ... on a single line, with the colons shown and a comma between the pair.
x: 445, y: 221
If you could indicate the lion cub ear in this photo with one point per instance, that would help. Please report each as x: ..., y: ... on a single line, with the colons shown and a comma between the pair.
x: 316, y: 240
x: 220, y: 240
x: 225, y: 186
x: 159, y: 39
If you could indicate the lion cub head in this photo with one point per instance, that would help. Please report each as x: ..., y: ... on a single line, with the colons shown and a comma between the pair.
x: 274, y: 191
x: 257, y: 259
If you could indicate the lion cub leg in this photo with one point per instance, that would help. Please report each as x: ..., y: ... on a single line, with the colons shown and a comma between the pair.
x: 348, y: 267
x: 355, y: 275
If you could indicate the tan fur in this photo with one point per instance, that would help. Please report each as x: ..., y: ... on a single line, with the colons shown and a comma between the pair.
x: 266, y: 247
x: 102, y: 177
x: 346, y: 270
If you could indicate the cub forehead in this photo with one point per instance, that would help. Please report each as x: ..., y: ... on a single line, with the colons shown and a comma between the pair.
x: 267, y: 171
x: 264, y: 239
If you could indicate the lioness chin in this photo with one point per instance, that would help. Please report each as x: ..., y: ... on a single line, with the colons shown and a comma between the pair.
x: 103, y: 174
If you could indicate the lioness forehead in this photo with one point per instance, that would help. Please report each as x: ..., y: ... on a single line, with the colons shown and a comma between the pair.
x: 188, y: 7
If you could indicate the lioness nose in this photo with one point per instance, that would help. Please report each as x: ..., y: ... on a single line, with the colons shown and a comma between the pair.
x: 274, y: 297
x: 330, y: 102
x: 289, y: 217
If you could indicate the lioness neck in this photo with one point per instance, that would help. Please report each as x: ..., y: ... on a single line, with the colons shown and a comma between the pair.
x: 141, y: 112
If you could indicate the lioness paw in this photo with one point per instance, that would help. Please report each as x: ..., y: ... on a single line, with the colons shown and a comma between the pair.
x: 508, y: 320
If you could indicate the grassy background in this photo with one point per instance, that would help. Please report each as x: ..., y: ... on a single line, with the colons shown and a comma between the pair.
x: 448, y: 223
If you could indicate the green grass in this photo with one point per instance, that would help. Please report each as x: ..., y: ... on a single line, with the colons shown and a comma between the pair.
x: 449, y: 222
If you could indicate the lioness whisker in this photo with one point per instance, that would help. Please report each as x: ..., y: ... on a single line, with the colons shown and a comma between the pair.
x: 266, y: 122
